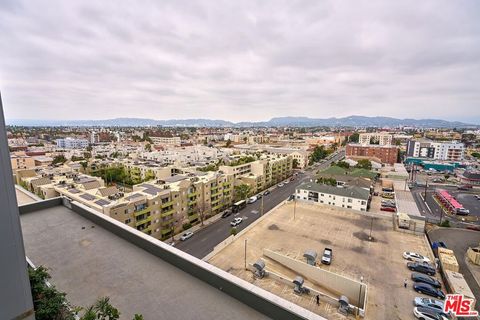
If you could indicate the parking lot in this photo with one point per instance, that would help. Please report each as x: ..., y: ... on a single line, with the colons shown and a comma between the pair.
x: 379, y: 262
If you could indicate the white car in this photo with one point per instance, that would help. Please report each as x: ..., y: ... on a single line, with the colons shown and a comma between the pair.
x: 428, y: 314
x: 186, y: 236
x: 252, y: 199
x: 280, y: 185
x: 413, y: 256
x: 236, y: 222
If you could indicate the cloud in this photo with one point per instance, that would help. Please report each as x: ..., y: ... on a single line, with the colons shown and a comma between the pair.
x: 239, y: 60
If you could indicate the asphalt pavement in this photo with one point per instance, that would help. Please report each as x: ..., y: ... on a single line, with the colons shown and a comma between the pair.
x: 459, y: 240
x: 204, y: 240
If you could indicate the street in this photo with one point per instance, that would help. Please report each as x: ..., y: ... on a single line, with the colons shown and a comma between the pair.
x: 204, y: 240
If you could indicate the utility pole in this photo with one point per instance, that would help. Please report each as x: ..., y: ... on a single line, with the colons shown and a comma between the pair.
x: 371, y: 227
x: 245, y: 256
x: 261, y: 207
x: 294, y: 207
x: 425, y: 194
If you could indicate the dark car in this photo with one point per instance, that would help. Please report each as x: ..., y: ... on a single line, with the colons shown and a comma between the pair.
x: 266, y: 193
x: 419, y: 277
x: 227, y: 213
x: 421, y: 267
x: 428, y: 290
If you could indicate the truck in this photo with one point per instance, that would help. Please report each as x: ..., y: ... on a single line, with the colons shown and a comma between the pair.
x: 327, y: 256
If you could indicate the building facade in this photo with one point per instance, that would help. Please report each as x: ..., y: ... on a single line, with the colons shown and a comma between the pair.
x: 355, y: 198
x: 380, y: 138
x: 72, y: 143
x: 382, y: 154
x: 448, y: 151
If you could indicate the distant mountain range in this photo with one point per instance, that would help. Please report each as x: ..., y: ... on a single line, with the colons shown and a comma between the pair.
x: 351, y: 121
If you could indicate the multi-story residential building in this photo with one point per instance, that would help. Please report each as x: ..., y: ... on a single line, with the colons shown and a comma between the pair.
x: 72, y: 143
x: 355, y: 198
x: 172, y: 141
x: 21, y: 161
x: 449, y: 151
x: 382, y: 154
x: 262, y: 173
x: 380, y: 138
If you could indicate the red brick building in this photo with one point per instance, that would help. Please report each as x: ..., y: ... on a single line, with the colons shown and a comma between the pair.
x: 383, y: 154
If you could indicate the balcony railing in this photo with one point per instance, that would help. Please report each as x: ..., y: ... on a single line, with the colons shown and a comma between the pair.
x: 167, y: 213
x: 143, y: 221
x: 167, y: 204
x: 140, y: 212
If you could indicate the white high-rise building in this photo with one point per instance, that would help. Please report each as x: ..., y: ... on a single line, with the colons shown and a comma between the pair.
x: 449, y: 151
x: 72, y: 143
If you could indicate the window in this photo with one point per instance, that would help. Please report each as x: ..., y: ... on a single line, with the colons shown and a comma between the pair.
x: 349, y: 207
x: 349, y: 200
x: 364, y: 203
x: 128, y: 221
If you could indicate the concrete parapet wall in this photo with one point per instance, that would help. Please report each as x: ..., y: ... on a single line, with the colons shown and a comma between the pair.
x: 39, y: 205
x: 331, y: 281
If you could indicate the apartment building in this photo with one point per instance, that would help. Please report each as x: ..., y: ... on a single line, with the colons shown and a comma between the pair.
x: 380, y: 138
x: 352, y: 197
x: 172, y: 141
x: 72, y: 143
x: 158, y: 208
x: 378, y: 153
x: 262, y: 173
x: 448, y: 151
x: 21, y: 161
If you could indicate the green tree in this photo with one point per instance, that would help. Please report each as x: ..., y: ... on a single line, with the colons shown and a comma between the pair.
x: 242, y: 191
x: 148, y: 147
x: 354, y: 137
x: 364, y: 164
x: 295, y: 163
x: 48, y: 302
x: 476, y: 154
x: 233, y: 231
x: 319, y: 153
x: 228, y: 144
x: 60, y: 159
x: 343, y: 164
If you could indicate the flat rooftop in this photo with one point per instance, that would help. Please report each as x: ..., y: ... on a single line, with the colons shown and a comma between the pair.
x: 315, y: 227
x: 88, y: 262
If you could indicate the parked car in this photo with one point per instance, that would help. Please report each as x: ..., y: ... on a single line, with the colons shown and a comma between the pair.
x: 280, y: 185
x: 252, y: 199
x: 389, y: 205
x: 413, y: 256
x: 428, y: 290
x: 227, y: 213
x: 432, y: 304
x: 421, y: 267
x: 465, y: 187
x: 259, y: 196
x: 428, y: 302
x: 419, y: 277
x: 186, y: 235
x: 389, y: 209
x: 327, y: 256
x: 477, y: 197
x: 236, y: 222
x: 286, y: 181
x: 427, y: 314
x: 462, y: 212
x: 266, y: 193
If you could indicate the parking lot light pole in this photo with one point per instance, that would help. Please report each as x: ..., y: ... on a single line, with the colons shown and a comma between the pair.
x: 245, y: 256
x: 294, y: 207
x: 425, y: 194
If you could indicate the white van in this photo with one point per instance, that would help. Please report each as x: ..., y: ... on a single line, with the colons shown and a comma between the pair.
x: 252, y: 199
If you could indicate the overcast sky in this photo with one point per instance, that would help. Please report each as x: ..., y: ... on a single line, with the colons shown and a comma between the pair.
x: 240, y: 60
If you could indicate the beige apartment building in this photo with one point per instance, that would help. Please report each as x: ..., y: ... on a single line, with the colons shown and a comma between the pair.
x: 21, y: 161
x: 171, y: 141
x: 380, y: 138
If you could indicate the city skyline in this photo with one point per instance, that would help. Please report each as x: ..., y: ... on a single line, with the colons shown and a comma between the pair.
x: 244, y: 61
